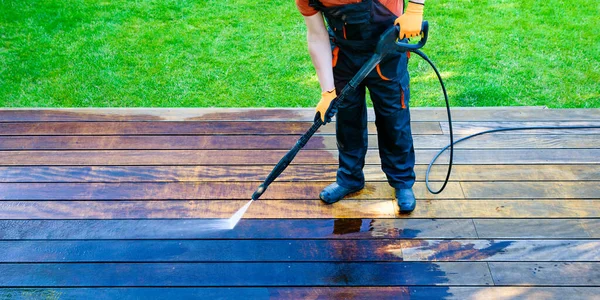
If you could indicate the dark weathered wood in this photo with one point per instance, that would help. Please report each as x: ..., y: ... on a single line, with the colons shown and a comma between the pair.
x: 271, y: 157
x: 250, y: 274
x: 298, y: 209
x: 199, y: 190
x: 185, y: 128
x: 542, y: 228
x: 528, y: 190
x: 292, y: 173
x: 546, y: 273
x: 297, y: 250
x: 282, y: 142
x: 279, y: 114
x: 395, y: 293
x: 499, y: 250
x: 201, y: 251
x: 245, y: 229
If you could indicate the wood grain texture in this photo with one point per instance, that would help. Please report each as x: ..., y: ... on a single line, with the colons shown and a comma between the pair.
x: 294, y: 173
x: 298, y: 209
x: 529, y: 189
x: 283, y: 142
x: 475, y: 127
x: 271, y: 157
x: 548, y: 209
x: 186, y: 128
x: 288, y: 190
x: 167, y: 209
x: 255, y: 274
x: 330, y: 229
x: 200, y: 190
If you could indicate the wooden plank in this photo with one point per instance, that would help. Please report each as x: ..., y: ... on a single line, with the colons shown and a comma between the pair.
x: 532, y: 189
x: 151, y: 293
x: 245, y: 229
x: 546, y: 273
x: 287, y: 114
x: 163, y: 157
x: 233, y: 142
x: 298, y: 209
x: 538, y: 228
x: 275, y: 209
x: 302, y: 229
x: 518, y: 172
x: 499, y: 250
x: 305, y: 157
x: 199, y: 190
x: 467, y: 128
x: 297, y: 250
x: 186, y: 128
x: 564, y: 208
x: 249, y: 274
x: 511, y: 141
x: 288, y: 190
x: 292, y: 173
x: 396, y: 293
x: 283, y: 142
x: 200, y: 251
x: 505, y: 293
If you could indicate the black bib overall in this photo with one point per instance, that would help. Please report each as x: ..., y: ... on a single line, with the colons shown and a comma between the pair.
x: 355, y: 29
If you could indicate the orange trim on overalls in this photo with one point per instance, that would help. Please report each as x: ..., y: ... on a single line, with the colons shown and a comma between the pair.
x: 402, y: 99
x: 381, y: 75
x: 335, y: 52
x: 344, y: 30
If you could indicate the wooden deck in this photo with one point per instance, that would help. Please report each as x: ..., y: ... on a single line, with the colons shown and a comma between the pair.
x: 119, y: 203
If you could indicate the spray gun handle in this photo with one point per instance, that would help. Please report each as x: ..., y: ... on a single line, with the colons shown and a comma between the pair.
x: 406, y: 46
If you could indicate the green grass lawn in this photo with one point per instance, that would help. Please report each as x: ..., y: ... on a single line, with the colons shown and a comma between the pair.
x: 241, y: 53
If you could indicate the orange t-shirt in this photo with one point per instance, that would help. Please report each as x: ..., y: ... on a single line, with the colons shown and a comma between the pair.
x: 395, y: 6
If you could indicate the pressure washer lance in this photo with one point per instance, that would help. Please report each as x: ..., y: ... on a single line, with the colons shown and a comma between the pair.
x: 388, y: 43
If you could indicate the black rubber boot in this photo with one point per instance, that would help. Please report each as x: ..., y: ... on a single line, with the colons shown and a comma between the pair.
x: 406, y: 200
x: 334, y: 193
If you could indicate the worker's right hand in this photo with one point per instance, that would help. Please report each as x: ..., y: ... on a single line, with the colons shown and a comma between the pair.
x: 324, y: 106
x: 410, y: 22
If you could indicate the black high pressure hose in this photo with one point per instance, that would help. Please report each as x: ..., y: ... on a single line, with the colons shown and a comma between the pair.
x: 452, y: 142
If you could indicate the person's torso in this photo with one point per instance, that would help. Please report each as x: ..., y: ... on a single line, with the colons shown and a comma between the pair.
x: 356, y: 25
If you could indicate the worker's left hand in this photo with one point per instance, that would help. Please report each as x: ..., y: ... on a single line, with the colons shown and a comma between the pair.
x: 411, y: 21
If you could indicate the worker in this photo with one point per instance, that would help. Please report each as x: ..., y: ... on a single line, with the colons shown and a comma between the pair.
x: 338, y: 50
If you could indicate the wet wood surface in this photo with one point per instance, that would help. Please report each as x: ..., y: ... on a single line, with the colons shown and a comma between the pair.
x: 134, y: 202
x: 395, y: 293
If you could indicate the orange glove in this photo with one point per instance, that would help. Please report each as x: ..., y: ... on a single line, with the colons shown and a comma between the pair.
x: 325, y: 103
x: 410, y: 21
